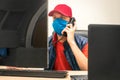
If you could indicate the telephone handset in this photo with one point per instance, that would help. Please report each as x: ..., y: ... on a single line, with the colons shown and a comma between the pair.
x: 72, y: 20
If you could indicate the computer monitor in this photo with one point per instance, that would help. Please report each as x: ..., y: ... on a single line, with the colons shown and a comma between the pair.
x: 104, y: 52
x: 23, y: 31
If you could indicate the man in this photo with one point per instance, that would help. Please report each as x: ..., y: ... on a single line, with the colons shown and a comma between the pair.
x: 66, y: 52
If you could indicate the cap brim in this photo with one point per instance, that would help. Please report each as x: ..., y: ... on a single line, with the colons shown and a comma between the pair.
x: 51, y: 12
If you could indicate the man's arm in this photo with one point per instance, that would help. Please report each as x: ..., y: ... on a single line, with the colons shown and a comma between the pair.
x: 81, y: 59
x: 79, y: 56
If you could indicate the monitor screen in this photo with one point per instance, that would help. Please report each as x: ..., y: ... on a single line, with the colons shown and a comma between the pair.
x: 23, y: 32
x: 104, y: 52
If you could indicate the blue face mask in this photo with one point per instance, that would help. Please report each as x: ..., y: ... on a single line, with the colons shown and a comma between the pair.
x: 58, y: 25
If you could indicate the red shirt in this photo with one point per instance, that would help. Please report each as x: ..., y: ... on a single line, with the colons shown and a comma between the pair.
x: 61, y: 62
x: 85, y: 50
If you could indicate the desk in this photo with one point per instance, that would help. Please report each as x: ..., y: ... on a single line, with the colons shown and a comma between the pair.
x: 34, y: 78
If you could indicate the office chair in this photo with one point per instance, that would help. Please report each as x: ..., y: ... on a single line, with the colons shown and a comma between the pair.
x: 82, y: 32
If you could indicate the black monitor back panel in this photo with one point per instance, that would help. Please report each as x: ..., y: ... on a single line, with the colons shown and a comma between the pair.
x: 23, y: 31
x: 16, y: 19
x: 104, y: 52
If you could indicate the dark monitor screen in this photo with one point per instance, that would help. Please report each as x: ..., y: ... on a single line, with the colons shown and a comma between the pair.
x: 23, y: 32
x: 104, y: 52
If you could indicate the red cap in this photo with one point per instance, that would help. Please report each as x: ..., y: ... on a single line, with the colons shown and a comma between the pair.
x: 63, y: 9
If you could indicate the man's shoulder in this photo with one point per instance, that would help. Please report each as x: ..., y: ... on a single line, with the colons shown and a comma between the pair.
x: 78, y: 36
x: 81, y: 40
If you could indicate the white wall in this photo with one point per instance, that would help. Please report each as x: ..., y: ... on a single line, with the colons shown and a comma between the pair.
x: 89, y: 11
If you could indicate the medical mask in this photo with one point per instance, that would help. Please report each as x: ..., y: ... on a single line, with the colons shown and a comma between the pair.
x: 58, y: 25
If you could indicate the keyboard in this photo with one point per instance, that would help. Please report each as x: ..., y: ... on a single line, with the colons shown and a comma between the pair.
x: 34, y: 73
x: 79, y: 77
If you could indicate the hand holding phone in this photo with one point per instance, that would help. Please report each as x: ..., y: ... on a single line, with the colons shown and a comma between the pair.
x: 72, y: 20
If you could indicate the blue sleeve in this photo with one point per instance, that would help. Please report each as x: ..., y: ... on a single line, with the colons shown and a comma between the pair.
x: 3, y: 52
x: 80, y: 40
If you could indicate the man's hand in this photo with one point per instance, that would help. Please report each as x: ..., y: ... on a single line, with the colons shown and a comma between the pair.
x: 70, y: 30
